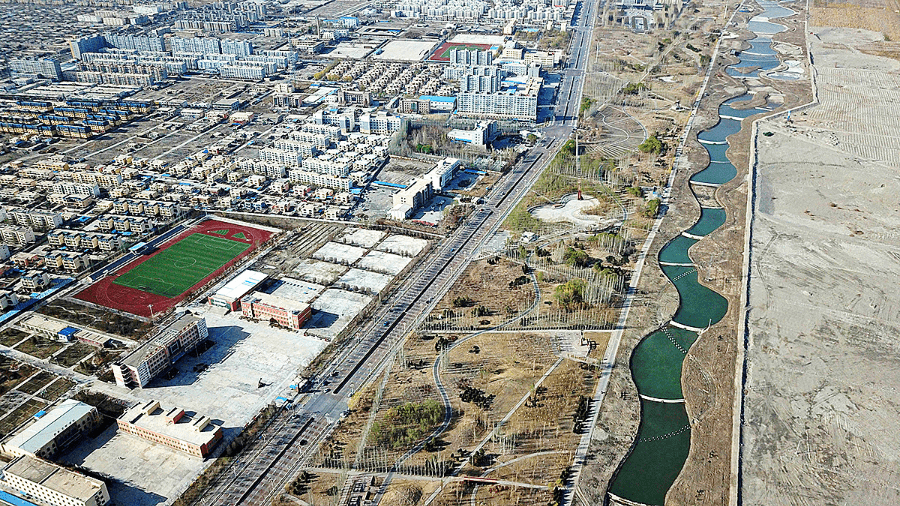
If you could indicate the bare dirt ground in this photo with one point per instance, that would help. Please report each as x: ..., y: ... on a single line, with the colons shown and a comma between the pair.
x: 877, y: 15
x: 489, y: 285
x: 820, y: 404
x: 534, y: 444
x: 458, y: 494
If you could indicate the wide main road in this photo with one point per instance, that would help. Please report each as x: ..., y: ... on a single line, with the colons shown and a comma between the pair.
x: 256, y: 476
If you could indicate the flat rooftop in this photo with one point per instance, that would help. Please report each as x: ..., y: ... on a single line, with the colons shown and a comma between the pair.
x: 240, y: 285
x: 407, y: 50
x: 54, y: 477
x: 195, y: 430
x: 277, y: 301
x: 44, y: 323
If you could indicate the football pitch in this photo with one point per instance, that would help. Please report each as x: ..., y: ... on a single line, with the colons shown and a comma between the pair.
x: 182, y: 265
x: 467, y: 47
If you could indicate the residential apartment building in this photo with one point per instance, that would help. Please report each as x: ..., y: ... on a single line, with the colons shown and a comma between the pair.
x: 248, y: 72
x: 36, y: 218
x: 35, y: 281
x: 123, y: 74
x: 381, y: 123
x: 237, y: 47
x: 322, y: 180
x: 343, y: 119
x: 175, y: 337
x: 263, y: 306
x: 294, y: 146
x: 90, y: 44
x: 135, y: 224
x: 47, y: 68
x: 192, y: 435
x: 149, y: 208
x: 102, y: 179
x: 79, y: 240
x: 138, y: 42
x: 468, y: 57
x: 318, y: 140
x: 73, y: 188
x: 331, y: 132
x: 518, y: 102
x: 16, y: 235
x: 8, y: 299
x: 271, y: 170
x: 199, y: 45
x: 281, y: 156
x: 54, y: 485
x: 481, y: 80
x: 69, y: 261
x: 76, y: 201
x: 327, y: 166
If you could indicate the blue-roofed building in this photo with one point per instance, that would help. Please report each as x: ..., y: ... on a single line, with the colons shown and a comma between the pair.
x: 138, y: 247
x: 481, y: 135
x: 8, y: 498
x: 68, y: 334
x: 440, y: 104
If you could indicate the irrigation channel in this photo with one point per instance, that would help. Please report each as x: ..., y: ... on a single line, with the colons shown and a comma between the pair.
x: 661, y: 446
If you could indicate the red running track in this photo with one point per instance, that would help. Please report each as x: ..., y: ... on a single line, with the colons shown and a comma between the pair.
x: 131, y: 300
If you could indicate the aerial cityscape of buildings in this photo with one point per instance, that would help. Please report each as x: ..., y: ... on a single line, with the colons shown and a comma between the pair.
x: 496, y: 252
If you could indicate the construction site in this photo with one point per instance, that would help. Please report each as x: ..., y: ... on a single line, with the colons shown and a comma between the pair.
x: 818, y: 411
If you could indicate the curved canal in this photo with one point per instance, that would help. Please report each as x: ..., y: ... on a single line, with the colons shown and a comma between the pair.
x: 664, y: 435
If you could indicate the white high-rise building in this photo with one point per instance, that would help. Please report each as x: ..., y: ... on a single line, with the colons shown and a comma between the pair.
x: 237, y: 47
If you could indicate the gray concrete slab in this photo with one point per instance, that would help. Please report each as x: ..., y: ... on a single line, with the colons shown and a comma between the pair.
x: 137, y: 472
x: 333, y: 310
x: 403, y: 245
x: 361, y: 237
x: 296, y: 289
x: 358, y: 279
x: 383, y: 262
x: 318, y: 271
x: 339, y: 253
x: 223, y: 382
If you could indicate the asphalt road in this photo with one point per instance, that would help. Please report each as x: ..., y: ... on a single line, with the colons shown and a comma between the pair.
x: 256, y: 477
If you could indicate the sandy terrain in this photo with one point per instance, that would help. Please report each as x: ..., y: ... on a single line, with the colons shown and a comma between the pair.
x: 572, y: 211
x: 820, y: 406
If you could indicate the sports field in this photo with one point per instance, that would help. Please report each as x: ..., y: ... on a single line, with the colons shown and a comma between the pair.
x: 442, y: 53
x: 182, y: 265
x: 156, y: 282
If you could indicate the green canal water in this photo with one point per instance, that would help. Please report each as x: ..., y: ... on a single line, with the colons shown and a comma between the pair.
x: 664, y: 437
